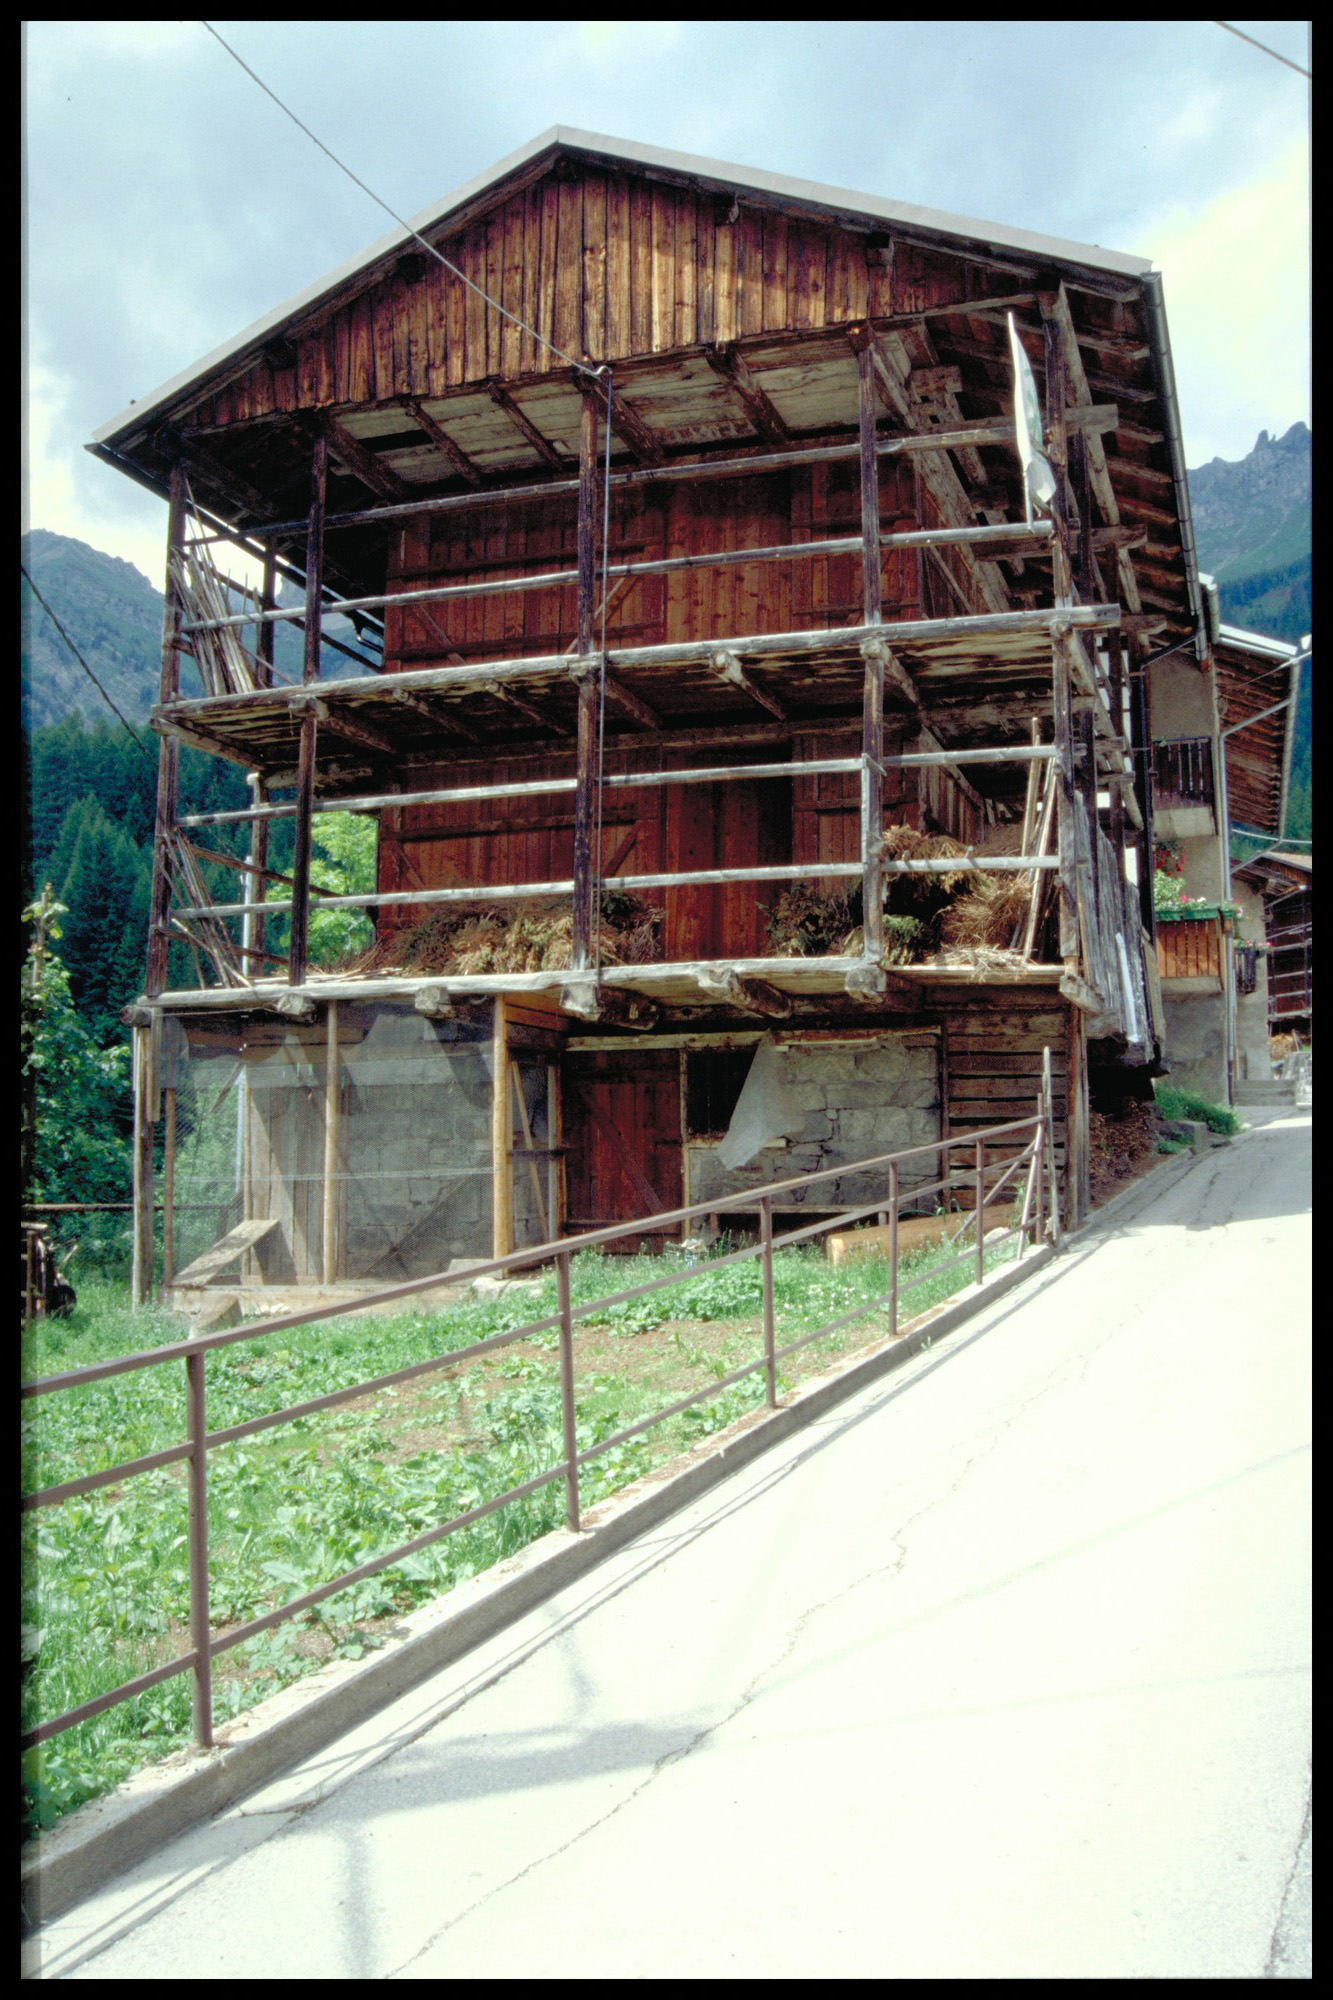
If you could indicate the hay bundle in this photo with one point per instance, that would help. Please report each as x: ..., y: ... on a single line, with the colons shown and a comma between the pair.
x: 989, y: 914
x: 922, y: 895
x: 522, y: 937
x: 805, y: 924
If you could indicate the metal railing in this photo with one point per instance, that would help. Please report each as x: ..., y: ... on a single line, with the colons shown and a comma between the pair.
x: 1183, y: 772
x: 982, y: 1179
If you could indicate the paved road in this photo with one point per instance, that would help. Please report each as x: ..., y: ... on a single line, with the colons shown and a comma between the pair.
x: 1002, y: 1670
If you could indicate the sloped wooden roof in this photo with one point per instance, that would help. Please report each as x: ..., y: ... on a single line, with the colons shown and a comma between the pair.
x: 722, y: 297
x: 1254, y: 674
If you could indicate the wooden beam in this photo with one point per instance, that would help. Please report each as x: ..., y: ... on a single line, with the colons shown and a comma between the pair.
x: 362, y: 464
x: 629, y: 425
x: 728, y: 362
x: 893, y: 380
x: 728, y: 668
x: 752, y: 996
x: 340, y: 723
x: 512, y: 699
x: 1055, y: 309
x: 545, y: 450
x: 631, y: 703
x: 457, y: 457
x: 421, y: 706
x: 586, y: 757
x: 332, y: 1141
x: 305, y: 783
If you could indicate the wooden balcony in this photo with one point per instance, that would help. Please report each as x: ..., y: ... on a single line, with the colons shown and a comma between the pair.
x: 1184, y: 801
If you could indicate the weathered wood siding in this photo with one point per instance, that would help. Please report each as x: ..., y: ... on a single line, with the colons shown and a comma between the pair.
x: 993, y: 1047
x: 604, y: 265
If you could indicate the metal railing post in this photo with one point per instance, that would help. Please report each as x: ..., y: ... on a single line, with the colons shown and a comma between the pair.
x: 567, y: 1391
x: 981, y: 1209
x: 770, y: 1363
x: 199, y: 1605
x: 893, y: 1249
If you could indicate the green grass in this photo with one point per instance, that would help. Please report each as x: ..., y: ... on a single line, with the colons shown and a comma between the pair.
x: 1173, y: 1102
x: 106, y: 1578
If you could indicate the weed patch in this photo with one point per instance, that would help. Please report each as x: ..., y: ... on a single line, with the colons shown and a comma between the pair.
x: 106, y: 1575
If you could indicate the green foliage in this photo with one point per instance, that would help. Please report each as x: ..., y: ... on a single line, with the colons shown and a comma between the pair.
x: 79, y: 1091
x: 1174, y: 1102
x: 105, y: 1591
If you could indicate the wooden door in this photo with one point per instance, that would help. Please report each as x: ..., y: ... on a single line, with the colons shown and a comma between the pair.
x: 621, y: 1117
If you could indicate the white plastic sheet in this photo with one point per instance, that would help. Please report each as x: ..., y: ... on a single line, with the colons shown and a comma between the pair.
x: 766, y: 1109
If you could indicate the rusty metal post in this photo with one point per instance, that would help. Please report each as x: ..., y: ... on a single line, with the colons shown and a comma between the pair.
x: 199, y: 1606
x: 981, y: 1209
x: 567, y: 1390
x: 770, y: 1362
x: 893, y: 1249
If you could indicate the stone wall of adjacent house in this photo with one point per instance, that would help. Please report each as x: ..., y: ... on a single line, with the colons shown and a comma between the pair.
x: 857, y: 1098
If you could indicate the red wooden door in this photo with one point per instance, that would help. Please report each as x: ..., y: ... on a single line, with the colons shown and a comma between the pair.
x: 622, y: 1131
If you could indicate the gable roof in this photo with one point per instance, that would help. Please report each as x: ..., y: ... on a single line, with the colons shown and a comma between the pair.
x: 714, y: 176
x: 1149, y: 479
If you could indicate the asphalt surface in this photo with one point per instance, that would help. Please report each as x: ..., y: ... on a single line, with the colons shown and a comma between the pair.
x: 1003, y: 1669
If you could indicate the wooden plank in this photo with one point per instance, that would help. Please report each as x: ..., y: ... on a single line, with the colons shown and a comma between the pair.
x: 594, y: 267
x: 686, y: 314
x: 641, y: 267
x: 750, y: 272
x: 775, y: 272
x: 568, y: 334
x: 618, y: 267
x: 543, y: 359
x: 233, y: 1246
x: 663, y: 329
x: 724, y: 282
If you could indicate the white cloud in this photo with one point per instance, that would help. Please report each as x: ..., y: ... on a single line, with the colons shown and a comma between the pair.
x: 1237, y: 282
x: 57, y: 489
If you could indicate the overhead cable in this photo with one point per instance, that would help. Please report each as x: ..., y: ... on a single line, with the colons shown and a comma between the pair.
x: 86, y: 668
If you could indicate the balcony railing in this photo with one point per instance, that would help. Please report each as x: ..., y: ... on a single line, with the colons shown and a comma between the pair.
x: 1183, y: 773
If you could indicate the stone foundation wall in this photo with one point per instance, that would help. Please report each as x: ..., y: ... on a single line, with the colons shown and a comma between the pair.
x: 859, y: 1098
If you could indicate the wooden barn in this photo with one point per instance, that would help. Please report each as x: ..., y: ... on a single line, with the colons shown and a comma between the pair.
x: 717, y: 681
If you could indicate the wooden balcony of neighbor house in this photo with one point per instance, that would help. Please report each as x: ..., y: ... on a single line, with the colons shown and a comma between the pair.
x: 1184, y: 801
x: 1189, y: 952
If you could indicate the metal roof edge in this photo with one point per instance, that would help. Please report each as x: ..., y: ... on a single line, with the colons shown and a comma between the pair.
x: 723, y: 173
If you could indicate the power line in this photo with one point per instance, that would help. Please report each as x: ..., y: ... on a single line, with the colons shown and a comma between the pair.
x: 584, y: 367
x: 1242, y: 36
x: 86, y: 668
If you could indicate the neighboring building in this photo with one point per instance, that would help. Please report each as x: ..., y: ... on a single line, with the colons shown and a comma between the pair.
x: 829, y: 621
x: 1222, y: 730
x: 1277, y: 893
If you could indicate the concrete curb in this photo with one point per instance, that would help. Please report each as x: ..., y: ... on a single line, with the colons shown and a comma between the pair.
x: 110, y: 1835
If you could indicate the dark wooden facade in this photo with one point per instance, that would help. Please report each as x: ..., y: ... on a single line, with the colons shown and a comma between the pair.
x: 817, y: 554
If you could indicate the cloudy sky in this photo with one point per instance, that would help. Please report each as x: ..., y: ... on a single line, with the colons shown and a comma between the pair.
x: 169, y: 203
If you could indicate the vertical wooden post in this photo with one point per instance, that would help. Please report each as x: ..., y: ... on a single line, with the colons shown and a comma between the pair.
x: 1077, y: 1179
x: 145, y: 1117
x: 554, y: 1205
x: 1088, y: 738
x: 872, y: 708
x: 1062, y: 707
x: 169, y: 1187
x: 253, y: 925
x: 332, y: 1141
x: 1057, y: 451
x: 981, y: 1209
x: 502, y: 1199
x: 586, y: 773
x: 305, y: 770
x: 1141, y: 719
x: 1087, y: 564
x: 168, y: 755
